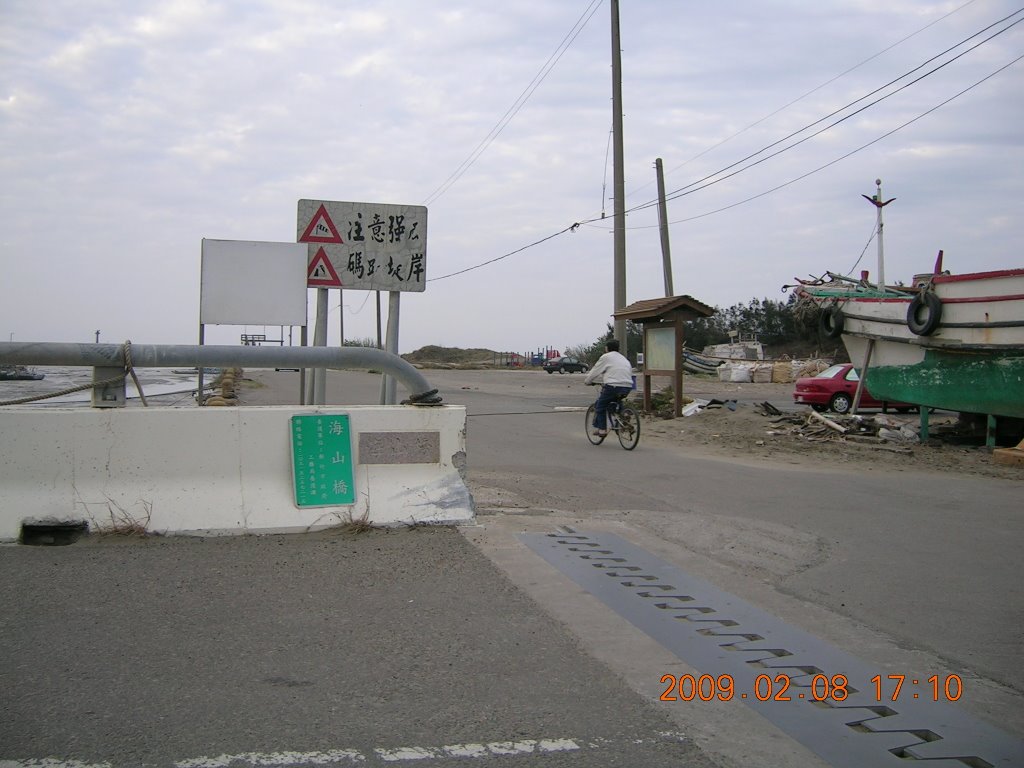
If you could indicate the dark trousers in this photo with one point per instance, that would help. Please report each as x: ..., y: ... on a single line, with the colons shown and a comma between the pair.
x: 608, y: 394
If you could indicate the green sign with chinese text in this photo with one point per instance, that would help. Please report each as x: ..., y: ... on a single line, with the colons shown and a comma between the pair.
x: 322, y: 460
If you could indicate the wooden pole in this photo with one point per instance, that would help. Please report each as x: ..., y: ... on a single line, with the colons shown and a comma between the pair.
x: 619, y: 183
x: 863, y: 375
x: 666, y: 252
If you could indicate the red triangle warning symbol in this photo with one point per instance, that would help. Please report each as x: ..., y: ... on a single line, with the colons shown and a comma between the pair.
x: 321, y: 272
x: 321, y: 229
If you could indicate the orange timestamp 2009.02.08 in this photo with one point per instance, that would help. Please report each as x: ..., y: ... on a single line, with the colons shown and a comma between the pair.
x: 822, y: 688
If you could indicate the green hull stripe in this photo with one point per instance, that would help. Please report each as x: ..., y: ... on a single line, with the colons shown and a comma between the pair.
x: 956, y: 381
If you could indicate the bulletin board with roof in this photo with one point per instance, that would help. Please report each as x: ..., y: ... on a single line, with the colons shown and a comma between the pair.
x: 663, y: 323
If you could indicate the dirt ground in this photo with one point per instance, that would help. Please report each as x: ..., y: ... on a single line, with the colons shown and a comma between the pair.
x: 746, y: 433
x: 743, y: 434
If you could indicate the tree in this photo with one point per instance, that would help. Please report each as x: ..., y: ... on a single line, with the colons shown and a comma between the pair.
x: 777, y: 324
x: 590, y: 352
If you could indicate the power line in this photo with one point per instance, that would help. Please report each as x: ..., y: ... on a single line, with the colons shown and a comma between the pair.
x: 813, y: 90
x: 767, y: 192
x: 841, y: 157
x: 570, y: 228
x: 710, y: 178
x: 693, y: 186
x: 604, y: 182
x: 518, y: 104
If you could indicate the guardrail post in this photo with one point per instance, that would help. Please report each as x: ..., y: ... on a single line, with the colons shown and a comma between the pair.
x: 111, y: 394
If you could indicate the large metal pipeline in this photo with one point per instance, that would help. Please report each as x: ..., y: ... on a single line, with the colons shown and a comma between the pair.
x: 207, y: 355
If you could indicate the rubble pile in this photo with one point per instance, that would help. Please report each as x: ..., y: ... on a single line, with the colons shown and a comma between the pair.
x: 875, y: 431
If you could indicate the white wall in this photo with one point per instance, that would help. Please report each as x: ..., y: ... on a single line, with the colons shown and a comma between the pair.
x: 213, y: 470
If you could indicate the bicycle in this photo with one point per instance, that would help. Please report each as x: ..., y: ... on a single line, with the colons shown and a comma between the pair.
x: 622, y: 419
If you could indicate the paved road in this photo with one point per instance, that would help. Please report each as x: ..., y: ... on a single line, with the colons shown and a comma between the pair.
x: 300, y: 650
x: 916, y: 572
x: 413, y: 646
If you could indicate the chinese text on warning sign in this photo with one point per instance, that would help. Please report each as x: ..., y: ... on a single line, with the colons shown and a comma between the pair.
x: 366, y: 246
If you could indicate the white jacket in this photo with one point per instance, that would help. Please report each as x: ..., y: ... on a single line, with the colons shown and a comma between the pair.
x: 612, y: 368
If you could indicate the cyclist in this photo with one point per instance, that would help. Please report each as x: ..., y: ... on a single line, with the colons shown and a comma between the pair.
x: 615, y: 375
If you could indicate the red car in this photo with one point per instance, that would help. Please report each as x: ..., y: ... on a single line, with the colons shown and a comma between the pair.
x: 834, y: 388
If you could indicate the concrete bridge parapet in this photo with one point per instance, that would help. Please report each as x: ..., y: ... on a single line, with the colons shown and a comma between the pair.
x: 207, y: 471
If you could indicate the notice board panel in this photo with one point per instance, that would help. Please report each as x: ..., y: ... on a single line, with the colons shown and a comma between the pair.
x: 660, y: 348
x: 245, y: 282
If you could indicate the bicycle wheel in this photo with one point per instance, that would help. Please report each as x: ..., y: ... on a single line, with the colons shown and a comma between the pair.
x: 595, y: 439
x: 629, y: 428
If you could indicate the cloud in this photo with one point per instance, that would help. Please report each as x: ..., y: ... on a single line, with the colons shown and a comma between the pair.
x: 128, y: 132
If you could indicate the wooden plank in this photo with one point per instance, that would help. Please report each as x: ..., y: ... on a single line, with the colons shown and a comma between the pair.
x: 1010, y: 456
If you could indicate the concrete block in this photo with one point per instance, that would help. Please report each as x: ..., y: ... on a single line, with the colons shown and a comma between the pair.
x: 222, y: 471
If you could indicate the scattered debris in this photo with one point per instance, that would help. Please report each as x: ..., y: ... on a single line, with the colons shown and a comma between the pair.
x: 694, y: 407
x: 829, y: 423
x: 714, y: 403
x: 879, y: 431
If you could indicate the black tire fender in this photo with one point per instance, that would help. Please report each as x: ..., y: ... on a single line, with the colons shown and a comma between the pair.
x: 924, y: 313
x: 831, y: 322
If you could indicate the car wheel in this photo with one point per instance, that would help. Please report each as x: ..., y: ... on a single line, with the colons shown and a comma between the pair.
x: 841, y: 403
x: 562, y: 369
x: 583, y: 369
x: 549, y: 370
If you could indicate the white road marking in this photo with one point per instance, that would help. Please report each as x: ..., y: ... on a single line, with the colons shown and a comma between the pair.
x: 277, y: 759
x: 504, y: 748
x: 445, y: 755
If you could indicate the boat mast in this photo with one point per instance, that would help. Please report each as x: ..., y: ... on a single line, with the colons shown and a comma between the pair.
x: 879, y: 205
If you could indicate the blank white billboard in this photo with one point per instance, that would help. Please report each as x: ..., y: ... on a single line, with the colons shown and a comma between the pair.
x: 253, y: 283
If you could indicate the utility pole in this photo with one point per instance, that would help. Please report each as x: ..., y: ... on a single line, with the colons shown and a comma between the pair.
x: 619, y: 181
x: 97, y: 337
x: 666, y: 253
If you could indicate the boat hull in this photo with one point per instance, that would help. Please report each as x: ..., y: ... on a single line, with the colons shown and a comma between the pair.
x: 971, y: 381
x: 971, y: 361
x: 19, y: 373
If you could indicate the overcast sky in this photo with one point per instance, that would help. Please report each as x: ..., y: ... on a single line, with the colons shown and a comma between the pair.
x: 129, y: 131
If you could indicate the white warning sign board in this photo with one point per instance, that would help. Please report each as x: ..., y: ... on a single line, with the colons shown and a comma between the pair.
x: 244, y: 282
x: 365, y: 246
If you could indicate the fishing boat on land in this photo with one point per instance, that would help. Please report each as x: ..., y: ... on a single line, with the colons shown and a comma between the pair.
x: 949, y: 341
x: 19, y: 373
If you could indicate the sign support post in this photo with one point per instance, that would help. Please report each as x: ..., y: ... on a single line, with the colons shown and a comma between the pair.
x: 388, y: 388
x: 363, y: 246
x: 319, y: 380
x: 246, y: 282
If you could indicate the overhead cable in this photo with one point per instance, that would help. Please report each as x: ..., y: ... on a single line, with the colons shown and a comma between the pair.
x: 767, y: 192
x: 517, y: 105
x: 711, y: 178
x: 817, y: 88
x: 838, y: 159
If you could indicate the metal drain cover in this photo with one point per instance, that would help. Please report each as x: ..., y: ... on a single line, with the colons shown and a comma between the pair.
x: 850, y: 721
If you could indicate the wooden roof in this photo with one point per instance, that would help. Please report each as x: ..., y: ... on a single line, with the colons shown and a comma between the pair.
x: 665, y: 308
